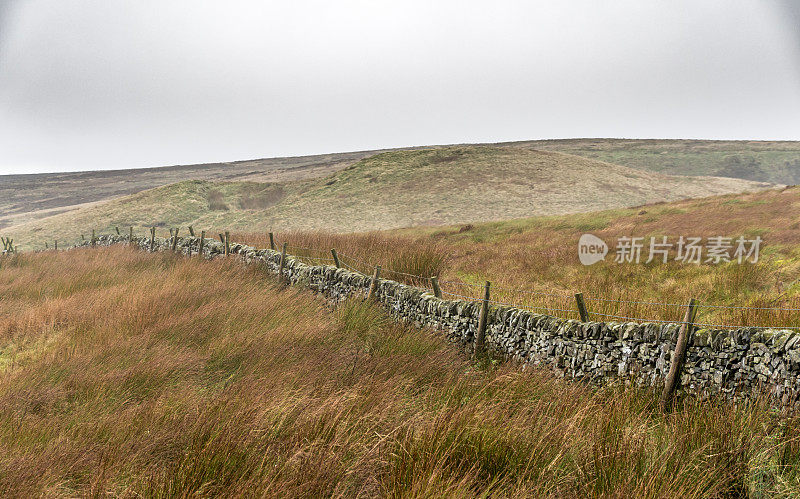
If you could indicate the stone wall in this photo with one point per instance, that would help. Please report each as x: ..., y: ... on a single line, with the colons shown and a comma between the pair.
x: 734, y: 364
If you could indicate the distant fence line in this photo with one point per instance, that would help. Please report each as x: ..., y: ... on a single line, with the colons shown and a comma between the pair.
x: 573, y: 304
x: 735, y: 363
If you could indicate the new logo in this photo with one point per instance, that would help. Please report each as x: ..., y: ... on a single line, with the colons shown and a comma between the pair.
x: 591, y: 249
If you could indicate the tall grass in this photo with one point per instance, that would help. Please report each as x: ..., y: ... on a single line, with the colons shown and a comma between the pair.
x: 403, y: 259
x: 533, y: 264
x: 132, y: 374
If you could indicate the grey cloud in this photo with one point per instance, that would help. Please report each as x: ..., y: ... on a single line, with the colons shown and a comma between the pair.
x: 111, y: 84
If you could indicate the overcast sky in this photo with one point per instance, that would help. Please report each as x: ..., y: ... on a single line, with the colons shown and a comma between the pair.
x: 105, y: 84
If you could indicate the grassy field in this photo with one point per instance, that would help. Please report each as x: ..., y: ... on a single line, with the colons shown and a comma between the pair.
x: 777, y: 162
x: 390, y: 190
x: 534, y: 262
x: 30, y: 197
x: 34, y: 196
x: 129, y: 374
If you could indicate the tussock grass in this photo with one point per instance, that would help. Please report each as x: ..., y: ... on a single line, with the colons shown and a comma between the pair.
x: 534, y: 262
x: 130, y: 374
x: 402, y: 259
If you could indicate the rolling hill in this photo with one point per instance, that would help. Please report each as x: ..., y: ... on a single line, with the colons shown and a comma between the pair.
x: 765, y: 161
x: 29, y: 197
x: 393, y: 189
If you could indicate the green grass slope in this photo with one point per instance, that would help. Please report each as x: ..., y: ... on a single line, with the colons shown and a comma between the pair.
x: 390, y: 190
x: 777, y: 162
x: 30, y: 197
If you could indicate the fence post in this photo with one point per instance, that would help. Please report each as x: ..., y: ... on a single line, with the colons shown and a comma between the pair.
x: 175, y: 239
x: 335, y: 258
x: 93, y: 238
x: 152, y: 239
x: 191, y: 231
x: 678, y: 357
x: 202, y: 240
x: 374, y: 284
x: 480, y: 336
x: 282, y: 265
x: 581, y: 307
x: 117, y: 229
x: 45, y: 245
x: 130, y: 237
x: 55, y: 244
x: 437, y: 291
x: 227, y: 243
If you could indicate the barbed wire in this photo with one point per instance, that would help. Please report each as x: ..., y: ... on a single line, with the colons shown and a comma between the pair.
x: 636, y: 302
x: 560, y: 294
x: 634, y: 318
x: 413, y: 276
x: 351, y: 268
x: 314, y: 259
x: 532, y: 292
x: 369, y: 265
x: 306, y: 249
x: 720, y: 326
x: 468, y: 298
x: 531, y: 307
x: 748, y: 308
x: 461, y: 283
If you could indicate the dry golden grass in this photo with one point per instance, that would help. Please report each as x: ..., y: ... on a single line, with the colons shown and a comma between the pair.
x: 534, y: 262
x: 130, y: 374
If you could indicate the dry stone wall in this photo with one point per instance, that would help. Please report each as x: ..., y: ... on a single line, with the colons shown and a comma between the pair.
x: 734, y: 364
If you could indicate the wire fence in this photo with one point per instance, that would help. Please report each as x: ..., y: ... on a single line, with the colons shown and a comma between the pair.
x: 552, y: 301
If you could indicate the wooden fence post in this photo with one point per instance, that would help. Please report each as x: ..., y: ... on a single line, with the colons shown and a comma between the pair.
x: 45, y: 245
x: 480, y: 336
x: 673, y: 379
x: 117, y: 229
x: 437, y: 291
x: 152, y: 239
x: 55, y: 244
x: 581, y: 307
x: 282, y: 265
x: 227, y: 243
x: 130, y: 236
x: 93, y: 238
x: 202, y: 240
x: 335, y: 258
x: 191, y: 231
x: 83, y: 238
x: 271, y: 241
x: 175, y: 240
x: 374, y: 284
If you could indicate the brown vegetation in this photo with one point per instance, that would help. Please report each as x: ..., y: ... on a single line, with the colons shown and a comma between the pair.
x: 534, y: 263
x: 131, y: 374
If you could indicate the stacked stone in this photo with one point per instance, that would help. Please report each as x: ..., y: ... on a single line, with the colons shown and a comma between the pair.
x: 735, y: 364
